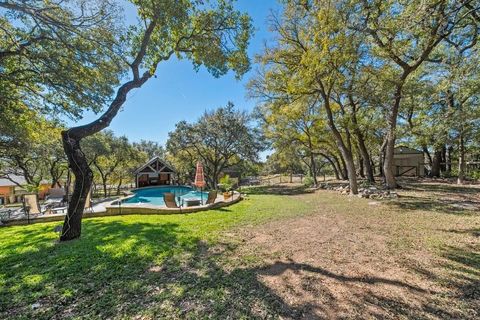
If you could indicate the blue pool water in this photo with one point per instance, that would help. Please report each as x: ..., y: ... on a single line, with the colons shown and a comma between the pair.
x: 154, y: 195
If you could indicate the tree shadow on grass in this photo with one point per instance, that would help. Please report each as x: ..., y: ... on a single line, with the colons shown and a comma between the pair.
x: 475, y: 232
x: 89, y: 273
x: 278, y: 190
x: 152, y: 270
x: 412, y: 203
x: 437, y: 186
x: 438, y: 197
x: 458, y: 273
x: 206, y: 288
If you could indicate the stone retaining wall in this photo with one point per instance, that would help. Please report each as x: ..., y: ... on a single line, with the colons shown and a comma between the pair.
x: 125, y: 210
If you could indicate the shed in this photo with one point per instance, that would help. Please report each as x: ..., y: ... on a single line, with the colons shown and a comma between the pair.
x: 156, y: 172
x: 408, y: 162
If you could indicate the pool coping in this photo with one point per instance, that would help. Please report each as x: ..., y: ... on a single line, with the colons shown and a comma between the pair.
x: 125, y: 210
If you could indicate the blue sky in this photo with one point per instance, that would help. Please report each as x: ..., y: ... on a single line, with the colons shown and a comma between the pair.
x: 179, y: 93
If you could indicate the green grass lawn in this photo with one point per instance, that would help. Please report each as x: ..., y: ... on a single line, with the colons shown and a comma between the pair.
x: 217, y: 264
x: 123, y: 266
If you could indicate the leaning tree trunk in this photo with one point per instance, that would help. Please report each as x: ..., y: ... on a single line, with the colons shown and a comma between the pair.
x: 365, y: 156
x: 72, y: 226
x: 427, y: 153
x: 341, y: 169
x: 344, y: 149
x: 367, y: 163
x: 332, y: 164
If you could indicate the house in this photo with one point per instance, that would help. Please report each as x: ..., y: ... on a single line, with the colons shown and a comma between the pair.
x: 408, y: 162
x: 156, y: 172
x: 11, y: 192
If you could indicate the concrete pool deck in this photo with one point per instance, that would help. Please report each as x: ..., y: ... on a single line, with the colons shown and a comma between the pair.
x: 105, y: 209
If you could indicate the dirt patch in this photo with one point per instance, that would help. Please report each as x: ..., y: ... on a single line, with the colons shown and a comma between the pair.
x: 361, y: 261
x: 440, y: 196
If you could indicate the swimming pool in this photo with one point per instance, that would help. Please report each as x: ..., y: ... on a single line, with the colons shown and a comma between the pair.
x: 154, y: 195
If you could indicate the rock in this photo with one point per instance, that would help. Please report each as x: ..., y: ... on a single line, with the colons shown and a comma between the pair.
x: 36, y: 305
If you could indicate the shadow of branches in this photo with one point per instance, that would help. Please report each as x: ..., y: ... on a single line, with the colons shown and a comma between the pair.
x: 125, y: 270
x: 288, y: 190
x: 438, y: 197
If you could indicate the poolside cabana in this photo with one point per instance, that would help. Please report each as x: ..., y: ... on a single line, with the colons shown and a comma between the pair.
x: 156, y: 172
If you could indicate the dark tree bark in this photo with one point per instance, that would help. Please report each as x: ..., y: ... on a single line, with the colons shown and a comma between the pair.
x: 391, y: 137
x: 72, y: 226
x: 313, y: 167
x: 344, y: 148
x: 361, y: 169
x: 381, y: 156
x: 427, y: 153
x: 55, y: 172
x: 436, y: 163
x: 443, y: 163
x: 407, y: 69
x: 332, y: 164
x: 67, y: 185
x: 105, y: 175
x: 461, y: 159
x: 340, y: 165
x: 372, y: 165
x: 361, y: 142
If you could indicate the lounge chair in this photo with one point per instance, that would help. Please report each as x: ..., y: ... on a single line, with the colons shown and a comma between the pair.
x: 55, y: 198
x: 169, y: 199
x: 88, y: 205
x: 56, y: 194
x: 89, y: 202
x: 30, y: 204
x: 212, y: 195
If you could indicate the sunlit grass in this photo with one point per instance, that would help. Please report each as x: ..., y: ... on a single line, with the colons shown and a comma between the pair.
x: 108, y: 264
x: 161, y: 266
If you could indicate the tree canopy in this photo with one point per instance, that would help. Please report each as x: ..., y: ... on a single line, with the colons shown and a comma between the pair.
x: 60, y: 57
x: 220, y: 139
x: 356, y: 62
x: 211, y: 34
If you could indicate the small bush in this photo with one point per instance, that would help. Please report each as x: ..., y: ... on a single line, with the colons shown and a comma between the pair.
x: 308, y: 181
x: 365, y: 184
x: 475, y: 175
x: 226, y: 183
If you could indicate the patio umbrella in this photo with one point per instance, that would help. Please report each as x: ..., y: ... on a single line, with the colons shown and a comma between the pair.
x: 200, y: 179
